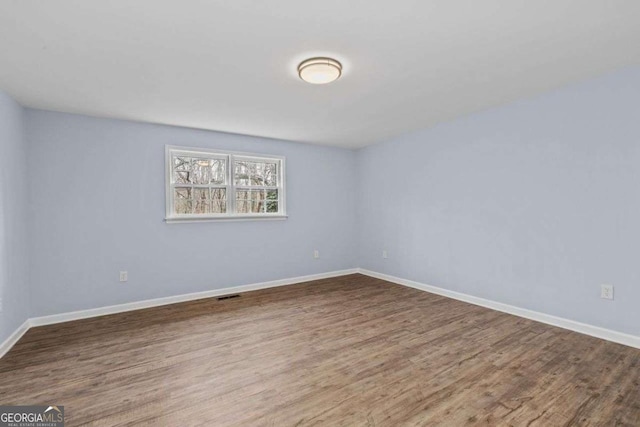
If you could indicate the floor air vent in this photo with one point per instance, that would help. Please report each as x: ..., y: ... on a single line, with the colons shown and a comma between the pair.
x: 228, y: 297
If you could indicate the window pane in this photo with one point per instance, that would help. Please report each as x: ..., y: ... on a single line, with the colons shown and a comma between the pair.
x: 181, y: 170
x: 218, y: 193
x: 201, y: 193
x: 208, y: 171
x: 201, y: 171
x: 272, y: 201
x: 242, y: 173
x: 202, y: 207
x: 242, y: 194
x: 219, y: 206
x: 184, y: 206
x: 272, y: 207
x: 257, y: 206
x: 181, y: 177
x: 257, y: 174
x: 181, y: 163
x: 271, y: 174
x: 257, y: 195
x: 218, y: 200
x: 243, y: 206
x: 182, y: 193
x: 182, y: 200
x: 218, y: 171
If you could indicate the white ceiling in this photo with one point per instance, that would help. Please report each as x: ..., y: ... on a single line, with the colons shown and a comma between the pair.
x: 230, y: 65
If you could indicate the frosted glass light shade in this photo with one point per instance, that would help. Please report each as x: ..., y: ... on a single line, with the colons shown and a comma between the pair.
x: 319, y: 71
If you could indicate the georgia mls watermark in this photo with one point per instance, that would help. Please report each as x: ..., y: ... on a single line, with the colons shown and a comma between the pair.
x: 31, y: 416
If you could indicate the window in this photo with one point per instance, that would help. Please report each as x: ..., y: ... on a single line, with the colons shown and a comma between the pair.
x: 208, y: 184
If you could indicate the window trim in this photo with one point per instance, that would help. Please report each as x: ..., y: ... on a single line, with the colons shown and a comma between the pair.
x: 230, y: 186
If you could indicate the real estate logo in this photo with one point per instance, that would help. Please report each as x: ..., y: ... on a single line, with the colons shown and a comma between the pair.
x: 32, y: 416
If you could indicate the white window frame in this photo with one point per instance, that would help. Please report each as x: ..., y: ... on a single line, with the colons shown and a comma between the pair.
x: 230, y: 156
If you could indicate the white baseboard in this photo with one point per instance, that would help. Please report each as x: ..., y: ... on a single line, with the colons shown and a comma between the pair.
x: 137, y: 305
x: 595, y: 331
x: 14, y: 337
x: 572, y: 325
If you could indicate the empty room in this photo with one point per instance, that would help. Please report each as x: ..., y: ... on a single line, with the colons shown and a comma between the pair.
x: 327, y: 213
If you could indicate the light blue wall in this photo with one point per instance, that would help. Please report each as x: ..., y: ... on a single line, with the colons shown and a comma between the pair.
x: 97, y: 207
x: 13, y: 215
x: 533, y: 204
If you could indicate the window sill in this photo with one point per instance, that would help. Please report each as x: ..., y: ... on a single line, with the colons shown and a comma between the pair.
x: 173, y: 220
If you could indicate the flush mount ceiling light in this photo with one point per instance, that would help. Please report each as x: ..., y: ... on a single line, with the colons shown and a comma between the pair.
x: 319, y: 71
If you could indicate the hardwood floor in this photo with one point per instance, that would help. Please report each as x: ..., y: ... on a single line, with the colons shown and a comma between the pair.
x: 352, y: 351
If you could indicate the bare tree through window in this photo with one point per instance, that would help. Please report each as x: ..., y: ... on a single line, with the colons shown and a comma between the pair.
x: 218, y: 184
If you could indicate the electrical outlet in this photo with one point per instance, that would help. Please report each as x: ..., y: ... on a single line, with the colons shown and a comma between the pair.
x: 385, y: 254
x: 606, y: 291
x: 124, y: 276
x: 316, y: 253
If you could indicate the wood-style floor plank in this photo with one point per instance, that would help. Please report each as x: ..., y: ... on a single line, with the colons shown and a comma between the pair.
x: 348, y: 351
